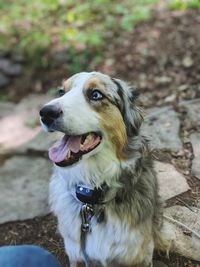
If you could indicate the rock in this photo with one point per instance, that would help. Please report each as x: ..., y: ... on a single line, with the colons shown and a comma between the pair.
x: 195, y: 140
x: 10, y: 68
x: 159, y: 264
x: 187, y: 62
x: 41, y: 143
x: 3, y: 80
x: 24, y: 188
x: 192, y: 108
x: 163, y: 80
x: 6, y: 108
x: 15, y: 132
x: 33, y: 103
x: 23, y: 124
x: 185, y: 216
x: 185, y: 243
x: 171, y: 182
x: 182, y: 87
x: 162, y: 126
x: 198, y: 203
x: 15, y: 70
x: 170, y: 98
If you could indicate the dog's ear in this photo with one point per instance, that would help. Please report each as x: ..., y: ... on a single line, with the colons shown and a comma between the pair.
x: 131, y: 112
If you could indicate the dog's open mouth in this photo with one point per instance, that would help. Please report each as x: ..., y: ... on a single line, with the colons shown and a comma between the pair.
x: 71, y: 148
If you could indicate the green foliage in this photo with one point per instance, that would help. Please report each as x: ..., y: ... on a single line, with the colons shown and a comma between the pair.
x: 4, y: 97
x: 184, y: 4
x: 32, y: 27
x: 53, y: 92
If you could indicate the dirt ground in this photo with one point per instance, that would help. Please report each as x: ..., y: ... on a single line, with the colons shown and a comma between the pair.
x: 162, y: 59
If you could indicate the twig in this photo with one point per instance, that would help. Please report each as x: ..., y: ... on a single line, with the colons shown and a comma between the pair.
x: 183, y: 202
x: 183, y: 225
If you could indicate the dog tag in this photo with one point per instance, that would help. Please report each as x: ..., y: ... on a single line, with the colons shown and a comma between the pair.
x: 87, y: 213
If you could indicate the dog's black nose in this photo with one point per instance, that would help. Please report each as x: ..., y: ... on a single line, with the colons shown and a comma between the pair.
x: 49, y: 113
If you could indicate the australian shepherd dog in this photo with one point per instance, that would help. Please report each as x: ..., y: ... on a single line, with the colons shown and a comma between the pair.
x: 103, y: 177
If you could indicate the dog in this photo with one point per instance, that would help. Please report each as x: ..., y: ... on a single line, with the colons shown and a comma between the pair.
x: 103, y: 189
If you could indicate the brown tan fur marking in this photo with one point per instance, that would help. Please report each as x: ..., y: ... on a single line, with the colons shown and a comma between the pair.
x: 67, y: 84
x: 146, y: 241
x: 95, y: 83
x: 113, y: 123
x: 111, y: 117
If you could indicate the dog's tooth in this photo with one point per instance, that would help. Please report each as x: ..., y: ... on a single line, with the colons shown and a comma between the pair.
x: 87, y: 140
x: 85, y: 143
x: 69, y: 154
x: 90, y: 137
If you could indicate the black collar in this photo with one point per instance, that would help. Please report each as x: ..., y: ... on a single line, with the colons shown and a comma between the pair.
x: 91, y: 196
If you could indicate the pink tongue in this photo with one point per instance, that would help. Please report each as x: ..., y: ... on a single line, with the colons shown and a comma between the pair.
x: 59, y: 152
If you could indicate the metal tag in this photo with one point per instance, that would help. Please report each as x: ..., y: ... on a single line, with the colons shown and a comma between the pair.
x: 87, y: 213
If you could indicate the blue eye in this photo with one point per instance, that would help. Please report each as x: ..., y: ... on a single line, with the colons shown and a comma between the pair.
x: 96, y: 95
x: 61, y: 92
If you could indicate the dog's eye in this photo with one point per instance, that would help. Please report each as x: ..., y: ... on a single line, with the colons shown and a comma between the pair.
x: 61, y: 92
x: 96, y: 95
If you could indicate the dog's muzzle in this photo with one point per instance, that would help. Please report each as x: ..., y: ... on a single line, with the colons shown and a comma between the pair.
x: 50, y: 115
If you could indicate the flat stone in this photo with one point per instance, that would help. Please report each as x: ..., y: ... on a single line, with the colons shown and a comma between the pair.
x: 14, y: 70
x: 24, y: 188
x: 192, y: 108
x: 15, y: 132
x: 185, y: 242
x: 162, y: 126
x: 171, y: 182
x: 9, y: 68
x: 41, y: 143
x: 195, y: 140
x: 4, y: 64
x: 23, y: 124
x: 33, y: 102
x: 6, y: 108
x: 3, y: 80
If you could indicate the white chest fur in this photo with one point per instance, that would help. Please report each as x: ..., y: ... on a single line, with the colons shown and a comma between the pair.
x: 109, y: 240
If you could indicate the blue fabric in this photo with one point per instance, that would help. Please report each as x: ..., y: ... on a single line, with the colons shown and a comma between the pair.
x: 26, y: 256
